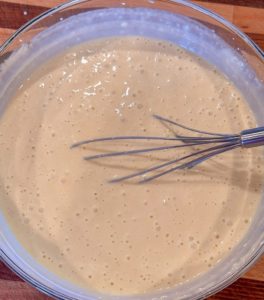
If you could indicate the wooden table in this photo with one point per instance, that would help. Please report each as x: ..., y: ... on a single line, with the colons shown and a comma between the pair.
x: 246, y: 14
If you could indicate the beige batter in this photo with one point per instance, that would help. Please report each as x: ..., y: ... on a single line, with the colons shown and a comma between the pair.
x: 124, y: 238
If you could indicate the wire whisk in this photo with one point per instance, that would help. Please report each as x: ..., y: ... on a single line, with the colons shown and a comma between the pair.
x: 215, y: 144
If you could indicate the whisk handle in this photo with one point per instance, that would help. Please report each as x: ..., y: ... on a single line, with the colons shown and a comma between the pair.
x: 252, y: 137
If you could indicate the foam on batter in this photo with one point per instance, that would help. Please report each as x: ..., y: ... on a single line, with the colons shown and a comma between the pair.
x: 125, y: 238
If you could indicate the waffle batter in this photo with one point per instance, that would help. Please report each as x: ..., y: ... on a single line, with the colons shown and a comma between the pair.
x: 124, y: 238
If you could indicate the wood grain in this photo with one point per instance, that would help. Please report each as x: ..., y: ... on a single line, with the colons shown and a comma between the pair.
x: 14, y: 15
x: 52, y: 3
x: 248, y: 15
x: 257, y: 272
x: 13, y: 290
x: 5, y: 34
x: 249, y: 19
x: 242, y: 289
x: 39, y: 3
x: 248, y: 3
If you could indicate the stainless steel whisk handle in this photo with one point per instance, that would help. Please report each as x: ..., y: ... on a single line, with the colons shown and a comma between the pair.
x: 252, y: 137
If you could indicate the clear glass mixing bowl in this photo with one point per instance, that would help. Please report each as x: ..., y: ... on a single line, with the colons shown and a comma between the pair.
x: 194, y: 28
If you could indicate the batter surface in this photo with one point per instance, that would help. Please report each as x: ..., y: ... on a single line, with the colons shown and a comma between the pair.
x: 124, y: 238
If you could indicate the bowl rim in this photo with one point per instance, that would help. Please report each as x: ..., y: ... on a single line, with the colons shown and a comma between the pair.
x: 189, y: 4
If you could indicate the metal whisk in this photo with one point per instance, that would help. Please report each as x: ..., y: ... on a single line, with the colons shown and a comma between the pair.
x: 217, y: 143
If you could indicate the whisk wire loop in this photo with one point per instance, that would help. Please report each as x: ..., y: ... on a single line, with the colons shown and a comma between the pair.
x: 217, y: 143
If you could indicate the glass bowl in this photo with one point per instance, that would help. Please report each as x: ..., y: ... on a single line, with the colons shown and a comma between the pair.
x: 192, y: 27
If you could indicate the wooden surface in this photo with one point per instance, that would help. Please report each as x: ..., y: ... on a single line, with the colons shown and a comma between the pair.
x: 246, y: 14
